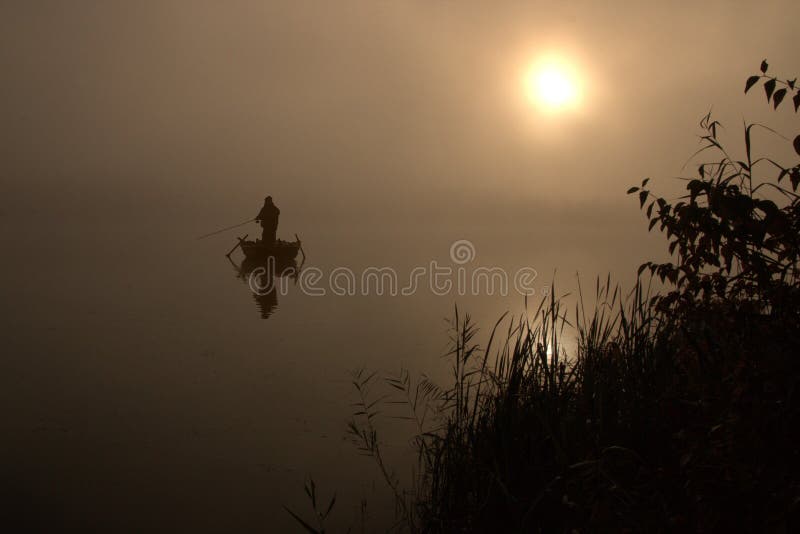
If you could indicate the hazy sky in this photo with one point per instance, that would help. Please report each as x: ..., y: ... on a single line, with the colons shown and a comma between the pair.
x: 361, y: 109
x: 138, y: 372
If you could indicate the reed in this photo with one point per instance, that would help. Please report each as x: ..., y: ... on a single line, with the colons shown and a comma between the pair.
x: 677, y: 411
x: 656, y: 423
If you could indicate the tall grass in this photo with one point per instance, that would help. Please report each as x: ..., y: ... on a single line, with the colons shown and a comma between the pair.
x: 676, y: 412
x: 526, y: 416
x: 644, y: 428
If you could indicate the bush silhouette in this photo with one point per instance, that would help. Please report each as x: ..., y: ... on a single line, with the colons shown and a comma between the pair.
x: 677, y: 413
x: 737, y: 230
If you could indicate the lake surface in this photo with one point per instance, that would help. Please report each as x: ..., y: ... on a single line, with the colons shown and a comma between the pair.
x: 145, y: 387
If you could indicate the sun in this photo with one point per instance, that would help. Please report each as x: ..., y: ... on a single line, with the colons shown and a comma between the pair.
x: 554, y: 88
x: 553, y: 85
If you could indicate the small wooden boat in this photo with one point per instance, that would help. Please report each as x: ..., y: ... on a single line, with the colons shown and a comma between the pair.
x: 282, y: 251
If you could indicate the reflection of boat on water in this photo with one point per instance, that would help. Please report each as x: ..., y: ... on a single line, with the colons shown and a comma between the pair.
x: 280, y: 250
x: 262, y: 278
x: 276, y: 267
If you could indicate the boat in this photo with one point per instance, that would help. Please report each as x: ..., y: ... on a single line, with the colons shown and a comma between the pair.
x: 282, y: 251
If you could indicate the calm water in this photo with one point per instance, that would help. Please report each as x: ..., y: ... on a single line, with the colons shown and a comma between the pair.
x: 142, y: 386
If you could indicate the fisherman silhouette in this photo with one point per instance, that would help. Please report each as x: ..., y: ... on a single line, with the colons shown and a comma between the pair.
x: 268, y: 217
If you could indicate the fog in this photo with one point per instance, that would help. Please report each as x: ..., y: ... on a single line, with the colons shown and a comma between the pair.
x: 140, y: 377
x: 364, y: 111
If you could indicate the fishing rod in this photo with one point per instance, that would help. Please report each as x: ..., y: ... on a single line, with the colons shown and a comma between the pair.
x: 226, y: 229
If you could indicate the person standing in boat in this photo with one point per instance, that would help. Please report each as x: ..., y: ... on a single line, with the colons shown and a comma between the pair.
x: 268, y: 217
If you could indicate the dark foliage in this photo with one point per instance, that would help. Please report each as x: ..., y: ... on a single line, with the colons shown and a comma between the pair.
x: 678, y: 413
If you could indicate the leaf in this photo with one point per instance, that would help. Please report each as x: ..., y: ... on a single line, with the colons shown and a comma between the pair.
x: 330, y: 506
x: 791, y: 83
x: 672, y: 275
x: 778, y: 97
x: 764, y: 66
x: 751, y: 81
x: 313, y: 493
x: 769, y: 87
x: 767, y: 206
x: 747, y: 141
x: 694, y: 187
x: 796, y: 100
x: 632, y: 190
x: 713, y: 127
x: 299, y: 519
x: 797, y: 144
x: 642, y: 198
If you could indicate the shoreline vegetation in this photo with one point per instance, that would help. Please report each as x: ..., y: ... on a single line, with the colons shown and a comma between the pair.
x: 678, y: 411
